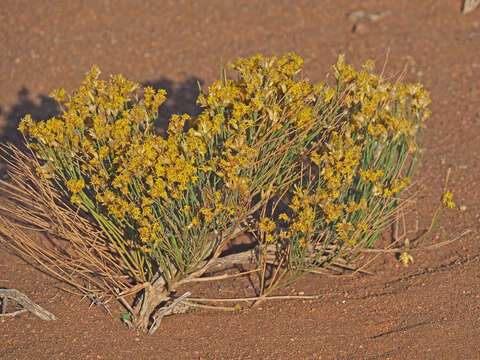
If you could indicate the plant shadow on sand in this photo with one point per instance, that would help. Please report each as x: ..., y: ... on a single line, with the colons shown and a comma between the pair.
x: 181, y: 99
x: 40, y: 108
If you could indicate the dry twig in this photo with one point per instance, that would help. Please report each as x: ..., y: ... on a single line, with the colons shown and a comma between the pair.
x: 256, y: 298
x: 28, y: 305
x: 166, y: 311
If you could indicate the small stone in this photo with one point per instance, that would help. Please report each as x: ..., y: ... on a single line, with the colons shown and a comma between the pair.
x: 360, y: 14
x: 463, y: 208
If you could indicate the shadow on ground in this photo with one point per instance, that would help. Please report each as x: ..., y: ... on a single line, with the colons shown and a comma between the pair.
x: 181, y: 99
x: 41, y: 108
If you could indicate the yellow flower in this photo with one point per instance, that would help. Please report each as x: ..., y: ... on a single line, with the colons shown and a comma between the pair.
x: 304, y: 221
x: 333, y: 211
x: 194, y: 221
x: 58, y: 95
x: 353, y: 206
x: 284, y: 217
x: 448, y: 200
x: 74, y: 199
x: 75, y: 186
x: 302, y: 242
x: 146, y: 249
x: 177, y: 123
x: 147, y: 212
x: 269, y: 238
x: 396, y: 186
x: 207, y: 214
x: 144, y: 233
x: 370, y: 175
x: 153, y: 100
x: 146, y: 201
x: 136, y: 213
x: 405, y: 258
x: 266, y: 225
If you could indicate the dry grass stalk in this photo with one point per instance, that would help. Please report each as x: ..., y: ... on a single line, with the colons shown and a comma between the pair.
x: 72, y: 249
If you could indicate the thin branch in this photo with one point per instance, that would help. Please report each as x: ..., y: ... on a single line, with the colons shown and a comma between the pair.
x: 352, y: 268
x: 434, y: 246
x: 322, y: 271
x: 255, y: 298
x: 214, y: 307
x: 212, y: 262
x: 216, y: 278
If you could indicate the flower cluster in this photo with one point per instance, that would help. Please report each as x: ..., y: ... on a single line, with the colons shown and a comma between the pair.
x: 342, y: 154
x: 448, y: 200
x: 266, y: 111
x: 357, y: 166
x: 103, y: 150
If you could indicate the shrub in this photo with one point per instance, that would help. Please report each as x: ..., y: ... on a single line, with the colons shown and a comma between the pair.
x: 314, y: 172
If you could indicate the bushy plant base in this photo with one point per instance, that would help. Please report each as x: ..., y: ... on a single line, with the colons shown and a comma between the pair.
x: 314, y: 173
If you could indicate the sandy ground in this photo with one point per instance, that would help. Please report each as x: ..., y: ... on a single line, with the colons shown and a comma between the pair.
x: 430, y: 310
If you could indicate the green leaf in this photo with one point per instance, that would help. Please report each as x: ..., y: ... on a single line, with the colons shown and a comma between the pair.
x: 125, y: 316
